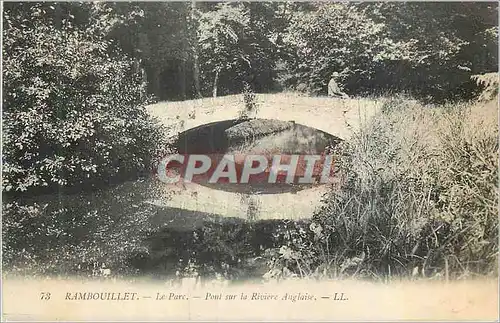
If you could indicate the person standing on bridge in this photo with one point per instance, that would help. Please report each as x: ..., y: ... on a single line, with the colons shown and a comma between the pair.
x: 334, y: 89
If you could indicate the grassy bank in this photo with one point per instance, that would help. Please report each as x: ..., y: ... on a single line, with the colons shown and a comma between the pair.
x: 420, y: 196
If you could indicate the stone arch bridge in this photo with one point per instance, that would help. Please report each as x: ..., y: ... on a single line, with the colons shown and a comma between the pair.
x: 334, y: 116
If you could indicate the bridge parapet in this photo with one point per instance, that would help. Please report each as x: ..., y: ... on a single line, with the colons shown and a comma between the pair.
x: 338, y: 117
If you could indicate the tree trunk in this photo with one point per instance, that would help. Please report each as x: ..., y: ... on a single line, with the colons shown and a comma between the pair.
x: 58, y: 17
x: 196, y: 66
x: 154, y: 82
x: 140, y: 70
x: 216, y: 81
x: 196, y: 76
x: 182, y: 79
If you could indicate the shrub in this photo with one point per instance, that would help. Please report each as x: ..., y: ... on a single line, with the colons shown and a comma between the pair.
x: 219, y: 248
x: 489, y: 85
x: 76, y: 234
x: 467, y: 182
x: 73, y: 107
x: 251, y: 107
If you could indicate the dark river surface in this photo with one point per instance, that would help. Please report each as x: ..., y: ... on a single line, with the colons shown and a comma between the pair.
x: 254, y: 137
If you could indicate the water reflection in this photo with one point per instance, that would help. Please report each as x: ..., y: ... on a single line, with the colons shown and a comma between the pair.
x: 257, y: 136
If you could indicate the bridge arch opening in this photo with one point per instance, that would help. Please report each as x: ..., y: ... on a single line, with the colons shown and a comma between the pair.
x: 255, y: 136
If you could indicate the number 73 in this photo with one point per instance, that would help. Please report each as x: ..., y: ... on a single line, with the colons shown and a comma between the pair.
x: 44, y: 296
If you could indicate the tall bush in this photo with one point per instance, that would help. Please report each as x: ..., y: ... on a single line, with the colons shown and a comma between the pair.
x: 73, y: 107
x: 420, y: 195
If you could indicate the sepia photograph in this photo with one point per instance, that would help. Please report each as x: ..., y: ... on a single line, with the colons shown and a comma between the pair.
x: 250, y: 161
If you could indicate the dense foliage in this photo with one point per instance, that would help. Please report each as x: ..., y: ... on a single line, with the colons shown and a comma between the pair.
x: 73, y: 108
x: 77, y: 234
x: 420, y: 196
x: 427, y: 49
x: 335, y: 38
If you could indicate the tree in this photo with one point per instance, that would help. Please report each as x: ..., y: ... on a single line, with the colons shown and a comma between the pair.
x: 237, y: 47
x: 161, y: 35
x: 334, y: 37
x: 194, y: 49
x: 73, y: 109
x: 427, y: 49
x: 220, y: 32
x: 445, y: 44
